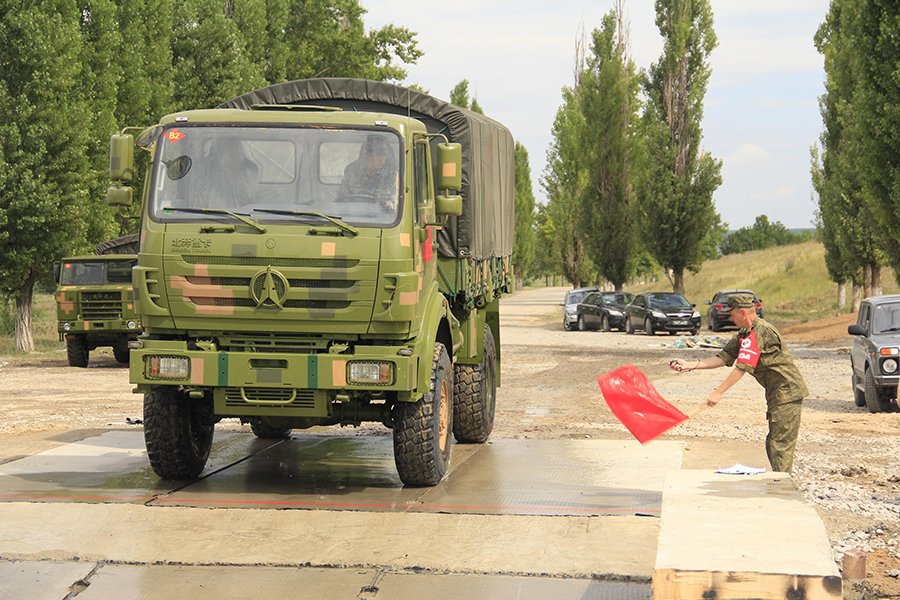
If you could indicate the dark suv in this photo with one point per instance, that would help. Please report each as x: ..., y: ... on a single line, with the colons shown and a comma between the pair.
x: 875, y: 356
x: 661, y: 311
x: 718, y: 314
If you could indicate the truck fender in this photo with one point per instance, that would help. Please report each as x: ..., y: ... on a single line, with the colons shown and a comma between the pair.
x: 434, y: 327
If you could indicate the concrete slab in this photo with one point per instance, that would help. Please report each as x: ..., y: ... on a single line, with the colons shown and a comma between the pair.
x: 525, y: 477
x: 623, y: 546
x: 46, y: 580
x: 740, y: 536
x: 177, y: 582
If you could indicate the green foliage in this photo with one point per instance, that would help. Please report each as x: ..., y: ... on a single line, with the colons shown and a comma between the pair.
x: 523, y: 250
x: 564, y: 182
x: 761, y: 235
x: 609, y: 102
x: 459, y: 96
x: 677, y: 199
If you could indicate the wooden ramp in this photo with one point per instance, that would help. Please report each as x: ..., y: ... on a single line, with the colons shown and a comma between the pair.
x: 741, y: 536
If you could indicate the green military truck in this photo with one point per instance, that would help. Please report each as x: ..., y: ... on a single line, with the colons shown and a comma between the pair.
x: 320, y: 252
x: 94, y: 305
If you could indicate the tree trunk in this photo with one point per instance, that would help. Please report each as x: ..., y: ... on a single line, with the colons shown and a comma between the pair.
x: 867, y: 281
x: 842, y: 295
x: 857, y: 297
x: 24, y: 335
x: 678, y: 281
x: 877, y: 288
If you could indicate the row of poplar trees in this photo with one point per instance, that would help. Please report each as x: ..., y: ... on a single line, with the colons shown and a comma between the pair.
x: 626, y: 178
x: 76, y: 71
x: 856, y: 166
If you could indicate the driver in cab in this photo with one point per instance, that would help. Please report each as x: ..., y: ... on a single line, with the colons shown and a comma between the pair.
x: 373, y: 176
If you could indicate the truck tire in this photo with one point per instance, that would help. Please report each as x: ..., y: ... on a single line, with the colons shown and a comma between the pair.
x: 264, y: 431
x: 422, y: 429
x: 77, y: 351
x: 122, y: 353
x: 474, y: 396
x: 859, y: 397
x: 178, y: 442
x: 876, y: 399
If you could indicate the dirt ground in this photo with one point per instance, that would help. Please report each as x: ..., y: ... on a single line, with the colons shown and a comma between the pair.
x: 847, y: 462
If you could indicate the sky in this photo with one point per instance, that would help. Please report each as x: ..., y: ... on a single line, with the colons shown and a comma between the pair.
x: 761, y: 113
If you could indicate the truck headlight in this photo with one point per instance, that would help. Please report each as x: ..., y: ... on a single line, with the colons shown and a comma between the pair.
x: 371, y: 372
x: 67, y: 326
x: 132, y: 325
x: 167, y: 367
x: 889, y: 366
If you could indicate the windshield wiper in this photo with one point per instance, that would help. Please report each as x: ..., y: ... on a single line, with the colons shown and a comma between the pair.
x: 892, y: 329
x: 306, y: 213
x: 219, y: 211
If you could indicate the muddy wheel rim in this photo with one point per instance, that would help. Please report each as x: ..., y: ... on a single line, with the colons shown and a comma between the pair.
x: 444, y: 415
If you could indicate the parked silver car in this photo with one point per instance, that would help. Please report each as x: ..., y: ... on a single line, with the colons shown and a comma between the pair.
x: 875, y: 355
x: 570, y: 305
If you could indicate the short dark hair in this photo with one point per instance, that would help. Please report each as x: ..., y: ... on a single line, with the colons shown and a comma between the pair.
x: 375, y: 144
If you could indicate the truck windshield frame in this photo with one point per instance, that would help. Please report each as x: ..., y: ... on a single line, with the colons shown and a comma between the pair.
x: 267, y: 172
x: 96, y: 272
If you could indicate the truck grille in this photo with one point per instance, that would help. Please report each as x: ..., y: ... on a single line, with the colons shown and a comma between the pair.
x: 272, y: 343
x: 249, y: 303
x: 269, y: 396
x: 253, y: 261
x: 101, y: 305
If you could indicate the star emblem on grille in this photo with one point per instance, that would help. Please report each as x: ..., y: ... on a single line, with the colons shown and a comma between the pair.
x: 269, y: 289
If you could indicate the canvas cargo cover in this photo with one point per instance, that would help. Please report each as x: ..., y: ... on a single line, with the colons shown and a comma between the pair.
x: 485, y: 229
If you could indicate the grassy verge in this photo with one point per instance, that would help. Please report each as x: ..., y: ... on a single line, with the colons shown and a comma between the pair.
x: 792, y: 282
x: 46, y: 338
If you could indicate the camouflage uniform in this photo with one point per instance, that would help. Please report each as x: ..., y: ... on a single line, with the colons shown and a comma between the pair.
x: 784, y: 385
x: 381, y: 185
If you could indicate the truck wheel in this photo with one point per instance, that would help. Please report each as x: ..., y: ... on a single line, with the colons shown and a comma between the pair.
x: 859, y: 397
x: 876, y: 400
x: 422, y: 429
x: 178, y: 442
x: 474, y: 396
x: 122, y: 353
x: 264, y: 431
x: 77, y: 351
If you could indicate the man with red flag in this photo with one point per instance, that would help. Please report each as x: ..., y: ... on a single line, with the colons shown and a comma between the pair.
x: 758, y: 349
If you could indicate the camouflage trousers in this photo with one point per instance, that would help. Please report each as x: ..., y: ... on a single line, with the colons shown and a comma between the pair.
x: 784, y: 426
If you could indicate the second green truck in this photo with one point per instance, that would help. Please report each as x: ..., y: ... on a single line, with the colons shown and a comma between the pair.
x: 320, y: 252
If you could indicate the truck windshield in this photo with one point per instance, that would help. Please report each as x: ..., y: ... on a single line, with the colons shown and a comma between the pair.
x: 96, y: 272
x: 266, y: 173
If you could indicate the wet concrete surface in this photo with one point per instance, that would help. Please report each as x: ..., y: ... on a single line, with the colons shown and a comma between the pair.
x: 513, y: 518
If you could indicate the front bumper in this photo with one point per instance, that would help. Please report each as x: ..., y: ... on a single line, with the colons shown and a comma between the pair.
x: 270, y: 378
x: 686, y: 324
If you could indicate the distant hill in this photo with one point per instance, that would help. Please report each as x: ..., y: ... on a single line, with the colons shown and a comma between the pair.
x: 792, y: 282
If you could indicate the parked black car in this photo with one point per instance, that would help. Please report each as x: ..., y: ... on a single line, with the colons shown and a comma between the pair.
x: 570, y: 304
x: 875, y: 355
x: 661, y: 311
x: 718, y: 315
x: 603, y: 310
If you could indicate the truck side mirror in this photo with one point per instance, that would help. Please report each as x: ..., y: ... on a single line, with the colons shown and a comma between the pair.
x: 448, y: 205
x: 121, y: 157
x: 449, y: 167
x: 119, y: 196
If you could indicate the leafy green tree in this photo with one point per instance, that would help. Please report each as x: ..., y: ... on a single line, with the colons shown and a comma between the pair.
x: 44, y: 132
x: 327, y: 38
x: 609, y: 104
x: 861, y: 47
x: 523, y: 250
x: 208, y: 58
x: 564, y: 182
x: 677, y: 198
x: 459, y: 96
x: 761, y: 235
x: 546, y: 263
